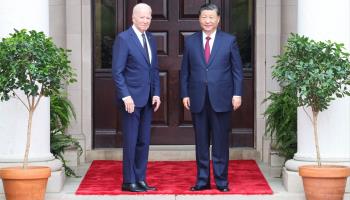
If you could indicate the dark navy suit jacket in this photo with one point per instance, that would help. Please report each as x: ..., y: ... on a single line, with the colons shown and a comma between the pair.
x: 133, y: 75
x: 222, y: 75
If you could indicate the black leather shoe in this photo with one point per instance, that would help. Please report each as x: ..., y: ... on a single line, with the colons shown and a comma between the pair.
x: 144, y: 185
x: 223, y: 188
x: 132, y: 187
x: 199, y: 188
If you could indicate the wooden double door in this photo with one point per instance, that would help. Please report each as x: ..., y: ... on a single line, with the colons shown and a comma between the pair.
x: 172, y: 21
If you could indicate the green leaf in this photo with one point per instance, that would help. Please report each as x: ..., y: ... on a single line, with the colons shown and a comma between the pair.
x: 32, y: 63
x: 318, y: 71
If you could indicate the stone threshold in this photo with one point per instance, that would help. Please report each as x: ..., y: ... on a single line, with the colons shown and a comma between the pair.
x: 170, y: 152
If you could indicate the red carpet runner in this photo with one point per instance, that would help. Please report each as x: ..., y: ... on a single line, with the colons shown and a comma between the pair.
x: 172, y: 177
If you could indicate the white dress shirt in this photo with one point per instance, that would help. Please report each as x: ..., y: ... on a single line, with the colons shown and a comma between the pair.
x: 211, y: 41
x: 139, y: 36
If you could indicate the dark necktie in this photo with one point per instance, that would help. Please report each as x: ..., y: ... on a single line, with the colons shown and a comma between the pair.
x: 145, y: 46
x: 207, y: 50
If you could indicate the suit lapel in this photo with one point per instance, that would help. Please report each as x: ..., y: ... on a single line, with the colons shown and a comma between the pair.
x: 138, y: 43
x: 152, y: 47
x: 216, y: 46
x: 201, y: 49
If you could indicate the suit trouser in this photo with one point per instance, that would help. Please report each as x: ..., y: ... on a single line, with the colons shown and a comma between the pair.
x: 214, y: 126
x: 136, y: 140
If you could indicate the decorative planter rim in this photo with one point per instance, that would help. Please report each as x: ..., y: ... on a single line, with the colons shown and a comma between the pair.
x: 325, y: 171
x: 21, y: 173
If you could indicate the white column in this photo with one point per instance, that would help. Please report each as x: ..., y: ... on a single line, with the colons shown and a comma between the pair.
x: 30, y: 15
x: 322, y: 20
x: 13, y: 131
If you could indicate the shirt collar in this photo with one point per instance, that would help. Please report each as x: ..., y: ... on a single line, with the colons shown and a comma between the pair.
x: 137, y: 31
x: 212, y: 36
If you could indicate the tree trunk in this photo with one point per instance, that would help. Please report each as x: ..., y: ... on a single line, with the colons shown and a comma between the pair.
x: 314, y: 124
x: 29, y: 134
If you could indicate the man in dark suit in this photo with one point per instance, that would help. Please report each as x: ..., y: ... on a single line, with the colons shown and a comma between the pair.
x: 136, y: 76
x: 211, y: 86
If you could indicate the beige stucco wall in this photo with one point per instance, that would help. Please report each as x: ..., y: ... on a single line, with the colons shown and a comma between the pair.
x: 57, y: 21
x: 71, y: 27
x: 275, y: 19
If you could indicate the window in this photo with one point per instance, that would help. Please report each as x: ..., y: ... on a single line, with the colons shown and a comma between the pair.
x: 104, y: 32
x: 241, y: 25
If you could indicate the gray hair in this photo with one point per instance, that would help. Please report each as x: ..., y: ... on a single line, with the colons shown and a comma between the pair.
x: 140, y: 6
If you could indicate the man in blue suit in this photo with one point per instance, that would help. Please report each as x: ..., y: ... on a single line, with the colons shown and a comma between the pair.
x: 211, y: 86
x: 136, y: 77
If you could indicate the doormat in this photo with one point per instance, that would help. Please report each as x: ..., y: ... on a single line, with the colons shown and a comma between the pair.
x: 104, y: 177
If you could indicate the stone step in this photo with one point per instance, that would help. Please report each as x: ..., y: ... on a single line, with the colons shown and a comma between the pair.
x: 170, y: 152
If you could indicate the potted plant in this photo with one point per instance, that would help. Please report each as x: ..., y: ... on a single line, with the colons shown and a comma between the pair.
x: 61, y: 113
x: 33, y: 67
x: 281, y: 121
x: 320, y: 72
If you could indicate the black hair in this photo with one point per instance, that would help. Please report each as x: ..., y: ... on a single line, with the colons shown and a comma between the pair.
x: 209, y: 6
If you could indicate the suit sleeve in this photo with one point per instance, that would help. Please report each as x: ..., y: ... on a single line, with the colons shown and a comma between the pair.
x: 155, y: 71
x: 237, y: 72
x: 119, y: 60
x: 185, y: 72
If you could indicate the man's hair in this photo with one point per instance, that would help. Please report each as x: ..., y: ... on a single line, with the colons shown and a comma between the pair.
x: 140, y: 6
x: 209, y: 6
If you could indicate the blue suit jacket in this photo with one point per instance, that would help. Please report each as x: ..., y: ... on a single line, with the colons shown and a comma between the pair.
x: 223, y: 74
x: 132, y: 73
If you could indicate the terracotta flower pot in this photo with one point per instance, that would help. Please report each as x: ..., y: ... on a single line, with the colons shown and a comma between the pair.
x: 25, y: 184
x: 324, y: 183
